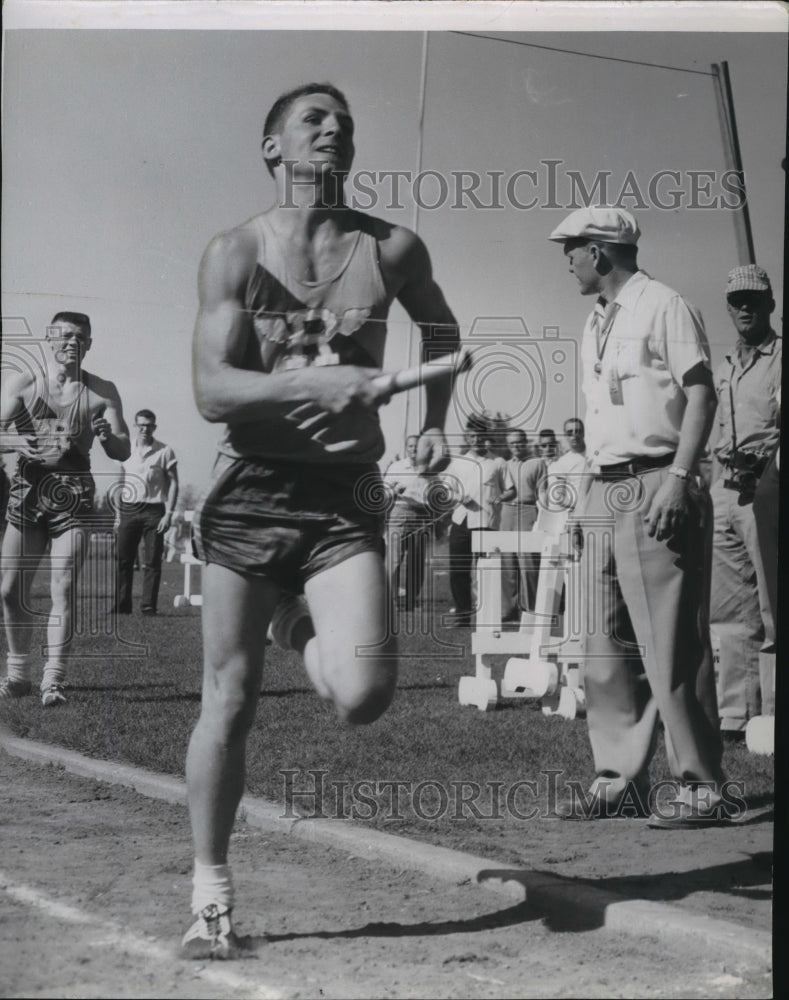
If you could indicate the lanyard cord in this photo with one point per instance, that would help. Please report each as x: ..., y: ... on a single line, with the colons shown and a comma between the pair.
x: 731, y: 413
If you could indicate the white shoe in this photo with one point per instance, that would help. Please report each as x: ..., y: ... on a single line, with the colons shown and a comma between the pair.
x: 53, y: 695
x: 14, y: 689
x: 211, y: 935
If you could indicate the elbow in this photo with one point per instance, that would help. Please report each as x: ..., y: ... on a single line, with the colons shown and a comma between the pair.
x: 213, y: 414
x: 210, y: 407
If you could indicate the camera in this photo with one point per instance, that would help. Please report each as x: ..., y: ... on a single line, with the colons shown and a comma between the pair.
x: 747, y: 462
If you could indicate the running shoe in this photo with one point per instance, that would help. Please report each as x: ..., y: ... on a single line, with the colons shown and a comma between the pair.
x: 211, y: 935
x: 14, y: 689
x: 53, y: 695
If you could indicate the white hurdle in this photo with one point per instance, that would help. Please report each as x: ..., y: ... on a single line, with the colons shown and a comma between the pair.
x: 542, y: 665
x: 188, y: 561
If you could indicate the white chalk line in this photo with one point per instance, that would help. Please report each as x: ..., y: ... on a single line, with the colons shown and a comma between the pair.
x: 116, y: 936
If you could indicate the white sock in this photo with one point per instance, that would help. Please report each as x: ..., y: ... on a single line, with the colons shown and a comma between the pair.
x: 212, y: 884
x: 54, y: 673
x: 18, y: 667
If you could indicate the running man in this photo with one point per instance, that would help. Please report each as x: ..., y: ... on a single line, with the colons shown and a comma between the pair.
x: 51, y: 420
x: 289, y: 337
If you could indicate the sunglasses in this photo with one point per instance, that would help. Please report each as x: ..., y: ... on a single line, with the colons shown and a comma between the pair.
x: 753, y: 299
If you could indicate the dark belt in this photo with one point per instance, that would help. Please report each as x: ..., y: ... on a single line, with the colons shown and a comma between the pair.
x: 419, y: 508
x: 635, y: 466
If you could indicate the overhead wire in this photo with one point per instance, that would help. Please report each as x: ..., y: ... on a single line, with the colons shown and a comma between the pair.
x: 577, y: 52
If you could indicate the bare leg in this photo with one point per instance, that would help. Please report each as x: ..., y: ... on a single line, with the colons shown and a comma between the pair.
x: 356, y: 662
x: 67, y: 555
x: 21, y: 555
x: 236, y: 613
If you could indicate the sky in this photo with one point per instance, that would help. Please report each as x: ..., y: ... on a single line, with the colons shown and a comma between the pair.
x: 126, y: 149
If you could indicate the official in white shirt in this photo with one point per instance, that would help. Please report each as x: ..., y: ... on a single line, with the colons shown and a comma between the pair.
x: 650, y: 406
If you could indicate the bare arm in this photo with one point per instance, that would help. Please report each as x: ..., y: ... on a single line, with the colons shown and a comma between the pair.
x: 698, y: 418
x: 227, y: 392
x: 110, y: 427
x: 424, y: 302
x: 13, y: 409
x: 172, y: 498
x: 405, y: 258
x: 172, y: 489
x: 670, y: 503
x: 507, y: 487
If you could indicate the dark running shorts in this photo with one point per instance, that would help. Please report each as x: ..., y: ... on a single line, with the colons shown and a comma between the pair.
x: 50, y: 499
x: 287, y: 522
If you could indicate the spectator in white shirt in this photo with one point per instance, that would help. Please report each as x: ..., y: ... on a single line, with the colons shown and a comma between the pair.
x: 481, y: 482
x: 520, y: 573
x: 568, y: 475
x: 408, y: 525
x: 148, y: 497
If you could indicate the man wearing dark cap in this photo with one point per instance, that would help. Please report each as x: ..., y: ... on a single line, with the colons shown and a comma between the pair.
x: 747, y: 383
x: 650, y: 407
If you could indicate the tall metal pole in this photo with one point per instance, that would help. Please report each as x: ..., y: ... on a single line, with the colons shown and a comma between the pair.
x: 419, y: 146
x: 731, y: 150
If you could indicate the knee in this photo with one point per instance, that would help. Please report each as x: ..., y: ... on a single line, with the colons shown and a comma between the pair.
x: 365, y: 701
x: 228, y: 709
x: 61, y: 588
x: 10, y: 590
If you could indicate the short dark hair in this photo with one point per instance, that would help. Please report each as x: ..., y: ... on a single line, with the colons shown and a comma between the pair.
x: 547, y: 432
x: 148, y: 414
x: 75, y: 318
x: 282, y: 105
x: 575, y: 420
x: 624, y: 254
x: 478, y: 424
x: 619, y: 253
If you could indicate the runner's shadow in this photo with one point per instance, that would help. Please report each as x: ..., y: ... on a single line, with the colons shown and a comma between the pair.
x: 434, y: 686
x: 285, y: 692
x: 520, y: 913
x: 125, y: 692
x: 556, y: 899
x: 120, y: 688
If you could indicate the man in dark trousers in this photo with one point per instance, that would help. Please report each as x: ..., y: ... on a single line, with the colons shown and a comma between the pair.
x: 747, y: 383
x: 148, y: 494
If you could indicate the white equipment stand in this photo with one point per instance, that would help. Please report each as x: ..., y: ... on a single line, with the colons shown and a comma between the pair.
x: 542, y: 665
x: 188, y: 561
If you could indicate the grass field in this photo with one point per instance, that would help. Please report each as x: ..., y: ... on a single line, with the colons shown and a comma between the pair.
x: 134, y: 697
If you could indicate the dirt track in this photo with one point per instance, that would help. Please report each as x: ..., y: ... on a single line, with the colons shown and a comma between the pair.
x: 95, y: 886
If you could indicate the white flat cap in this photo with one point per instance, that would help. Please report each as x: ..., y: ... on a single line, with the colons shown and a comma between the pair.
x: 610, y: 225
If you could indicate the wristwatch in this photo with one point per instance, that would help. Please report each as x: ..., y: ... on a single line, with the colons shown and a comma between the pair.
x: 679, y: 472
